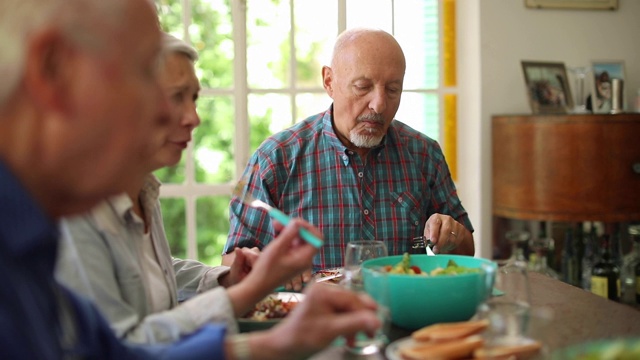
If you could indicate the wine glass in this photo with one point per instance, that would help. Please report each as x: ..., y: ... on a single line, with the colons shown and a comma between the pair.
x: 356, y: 253
x: 375, y: 285
x: 517, y: 238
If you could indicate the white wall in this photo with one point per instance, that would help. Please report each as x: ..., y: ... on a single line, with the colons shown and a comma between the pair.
x: 493, y: 37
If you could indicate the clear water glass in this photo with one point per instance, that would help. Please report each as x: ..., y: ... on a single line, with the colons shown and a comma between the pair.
x: 508, y: 312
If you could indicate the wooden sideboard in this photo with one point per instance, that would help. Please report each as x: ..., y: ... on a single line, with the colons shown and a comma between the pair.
x: 566, y: 167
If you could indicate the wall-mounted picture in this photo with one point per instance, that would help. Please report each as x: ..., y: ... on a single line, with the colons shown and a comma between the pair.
x: 603, y: 73
x: 547, y: 87
x: 573, y: 4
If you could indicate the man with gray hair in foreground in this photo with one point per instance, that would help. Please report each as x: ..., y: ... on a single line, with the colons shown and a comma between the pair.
x: 81, y: 111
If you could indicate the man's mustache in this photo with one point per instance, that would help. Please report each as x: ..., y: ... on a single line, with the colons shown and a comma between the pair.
x: 377, y: 118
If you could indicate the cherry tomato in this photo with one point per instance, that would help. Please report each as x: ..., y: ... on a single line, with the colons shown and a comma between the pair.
x: 416, y: 269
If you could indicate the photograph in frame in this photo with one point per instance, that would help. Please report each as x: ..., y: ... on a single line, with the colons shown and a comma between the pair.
x: 547, y: 87
x: 573, y: 4
x: 603, y: 72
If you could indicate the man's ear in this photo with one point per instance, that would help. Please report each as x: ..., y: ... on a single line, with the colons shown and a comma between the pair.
x: 327, y: 80
x: 48, y: 69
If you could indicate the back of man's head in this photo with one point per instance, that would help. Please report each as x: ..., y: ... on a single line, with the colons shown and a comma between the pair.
x: 80, y: 20
x: 81, y: 108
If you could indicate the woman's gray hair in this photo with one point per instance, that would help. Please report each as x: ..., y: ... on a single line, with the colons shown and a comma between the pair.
x: 171, y: 44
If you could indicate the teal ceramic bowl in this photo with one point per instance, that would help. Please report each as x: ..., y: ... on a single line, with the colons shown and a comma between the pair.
x: 418, y: 301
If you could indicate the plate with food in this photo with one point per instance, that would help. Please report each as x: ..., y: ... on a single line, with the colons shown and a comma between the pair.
x: 269, y: 311
x: 329, y: 276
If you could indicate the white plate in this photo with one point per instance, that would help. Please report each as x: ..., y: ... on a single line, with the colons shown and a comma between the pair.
x: 320, y: 274
x: 393, y: 350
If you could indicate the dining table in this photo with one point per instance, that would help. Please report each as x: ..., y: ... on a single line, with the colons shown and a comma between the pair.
x: 578, y: 316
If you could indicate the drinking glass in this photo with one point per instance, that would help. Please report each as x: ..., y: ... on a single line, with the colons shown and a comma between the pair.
x: 374, y: 283
x: 580, y: 74
x: 359, y: 251
x: 508, y: 310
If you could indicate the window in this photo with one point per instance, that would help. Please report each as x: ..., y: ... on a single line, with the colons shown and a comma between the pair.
x: 260, y: 70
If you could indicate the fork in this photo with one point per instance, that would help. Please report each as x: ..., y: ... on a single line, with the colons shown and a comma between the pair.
x: 283, y: 218
x: 428, y: 244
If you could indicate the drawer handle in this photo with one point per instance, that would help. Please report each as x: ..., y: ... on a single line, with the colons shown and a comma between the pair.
x: 636, y: 168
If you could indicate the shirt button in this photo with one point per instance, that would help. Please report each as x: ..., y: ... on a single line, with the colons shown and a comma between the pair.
x: 400, y: 199
x: 360, y: 174
x: 366, y: 212
x: 416, y: 223
x: 345, y: 157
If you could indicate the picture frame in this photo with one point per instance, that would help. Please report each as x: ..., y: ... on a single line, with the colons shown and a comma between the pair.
x: 547, y: 87
x: 573, y: 4
x: 603, y: 72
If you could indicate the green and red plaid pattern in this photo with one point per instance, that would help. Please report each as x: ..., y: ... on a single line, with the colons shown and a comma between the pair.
x: 307, y: 172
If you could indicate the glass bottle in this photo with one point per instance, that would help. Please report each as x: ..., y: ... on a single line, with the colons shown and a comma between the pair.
x: 539, y: 264
x: 578, y: 248
x: 605, y: 275
x: 616, y: 248
x: 630, y: 261
x: 590, y: 257
x: 569, y: 261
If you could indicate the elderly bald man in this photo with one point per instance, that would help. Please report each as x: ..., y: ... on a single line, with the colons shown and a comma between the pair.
x: 353, y: 170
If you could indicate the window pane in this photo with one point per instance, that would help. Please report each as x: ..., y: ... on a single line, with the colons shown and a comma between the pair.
x: 311, y: 104
x: 170, y: 13
x: 173, y: 214
x: 211, y: 33
x: 420, y: 45
x: 314, y: 39
x: 420, y: 111
x: 268, y: 114
x: 268, y: 49
x: 213, y: 140
x: 370, y: 13
x: 212, y: 221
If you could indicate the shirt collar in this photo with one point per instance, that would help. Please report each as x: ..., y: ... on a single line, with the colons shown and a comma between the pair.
x: 149, y: 193
x: 333, y: 140
x: 24, y: 226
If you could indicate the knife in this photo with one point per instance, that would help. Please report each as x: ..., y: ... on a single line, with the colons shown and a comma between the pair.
x: 429, y: 251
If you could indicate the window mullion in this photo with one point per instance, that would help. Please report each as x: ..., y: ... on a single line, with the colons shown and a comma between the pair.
x: 190, y: 210
x: 293, y: 69
x: 241, y: 87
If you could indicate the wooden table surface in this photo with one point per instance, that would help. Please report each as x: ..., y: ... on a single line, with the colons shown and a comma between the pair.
x: 578, y: 316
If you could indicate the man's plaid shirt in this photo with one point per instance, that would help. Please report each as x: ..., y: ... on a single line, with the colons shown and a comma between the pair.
x: 307, y: 172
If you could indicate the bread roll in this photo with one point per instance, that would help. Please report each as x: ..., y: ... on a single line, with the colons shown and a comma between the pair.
x: 449, y: 350
x: 450, y: 331
x: 509, y: 352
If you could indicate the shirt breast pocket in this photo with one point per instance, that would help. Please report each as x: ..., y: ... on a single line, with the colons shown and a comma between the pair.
x: 407, y: 209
